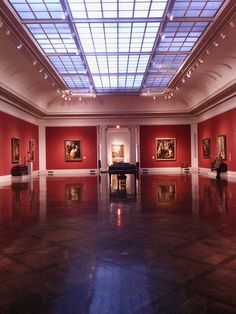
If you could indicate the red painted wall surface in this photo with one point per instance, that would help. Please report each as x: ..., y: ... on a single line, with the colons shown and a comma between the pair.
x: 148, y: 135
x: 221, y: 124
x: 14, y: 127
x: 55, y: 156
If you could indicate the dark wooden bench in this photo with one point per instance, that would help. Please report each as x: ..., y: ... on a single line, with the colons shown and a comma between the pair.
x: 19, y: 170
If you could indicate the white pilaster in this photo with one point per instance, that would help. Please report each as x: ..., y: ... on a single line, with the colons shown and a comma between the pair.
x: 103, y: 148
x: 42, y: 149
x: 194, y: 146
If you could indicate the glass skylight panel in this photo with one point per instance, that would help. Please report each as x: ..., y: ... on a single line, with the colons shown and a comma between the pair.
x: 181, y: 36
x: 76, y: 81
x: 196, y: 8
x: 54, y: 38
x: 38, y: 9
x: 68, y: 64
x: 157, y: 80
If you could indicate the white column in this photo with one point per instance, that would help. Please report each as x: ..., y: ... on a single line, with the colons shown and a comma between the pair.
x: 194, y: 146
x: 133, y: 158
x: 103, y: 148
x: 42, y: 149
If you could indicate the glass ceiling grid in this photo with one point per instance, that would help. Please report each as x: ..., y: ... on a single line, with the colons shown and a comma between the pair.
x: 119, y: 41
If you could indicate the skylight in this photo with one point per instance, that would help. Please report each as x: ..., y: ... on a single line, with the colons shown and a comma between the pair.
x: 116, y: 46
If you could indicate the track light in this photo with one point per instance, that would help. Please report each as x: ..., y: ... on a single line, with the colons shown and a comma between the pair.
x: 35, y: 62
x: 200, y: 60
x: 170, y: 16
x: 80, y: 98
x: 41, y: 70
x: 19, y: 46
x: 53, y: 83
x: 183, y: 80
x: 215, y: 43
x: 45, y: 76
x: 8, y: 32
x: 1, y: 23
x: 154, y: 97
x: 231, y: 23
x: 163, y: 36
x: 222, y: 35
x: 207, y: 51
x: 58, y: 91
x: 189, y: 73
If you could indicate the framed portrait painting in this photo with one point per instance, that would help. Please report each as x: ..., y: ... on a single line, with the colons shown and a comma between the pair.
x: 165, y: 149
x: 206, y: 148
x: 117, y: 153
x: 72, y: 150
x: 32, y: 150
x: 221, y: 145
x: 15, y: 150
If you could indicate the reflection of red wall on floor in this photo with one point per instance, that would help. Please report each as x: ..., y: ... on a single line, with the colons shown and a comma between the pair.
x: 221, y: 124
x: 72, y: 194
x: 166, y: 193
x: 148, y: 135
x: 55, y: 155
x: 14, y: 127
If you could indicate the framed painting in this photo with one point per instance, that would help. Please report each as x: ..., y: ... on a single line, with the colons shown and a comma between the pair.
x: 165, y: 149
x: 32, y: 150
x: 72, y: 150
x: 166, y: 192
x: 221, y: 145
x: 117, y: 152
x: 206, y: 148
x: 15, y: 150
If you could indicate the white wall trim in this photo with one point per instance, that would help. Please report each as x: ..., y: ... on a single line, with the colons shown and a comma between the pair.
x: 71, y: 172
x: 172, y: 170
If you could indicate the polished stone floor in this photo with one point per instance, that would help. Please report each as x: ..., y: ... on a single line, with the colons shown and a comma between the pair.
x: 75, y: 245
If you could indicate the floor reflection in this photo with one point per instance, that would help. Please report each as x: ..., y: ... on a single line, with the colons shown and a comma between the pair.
x: 162, y: 244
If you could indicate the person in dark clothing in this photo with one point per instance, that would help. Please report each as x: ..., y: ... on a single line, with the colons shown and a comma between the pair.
x: 217, y: 163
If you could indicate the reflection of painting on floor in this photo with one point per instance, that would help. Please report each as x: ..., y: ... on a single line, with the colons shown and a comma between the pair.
x: 166, y: 192
x: 117, y: 151
x: 73, y: 192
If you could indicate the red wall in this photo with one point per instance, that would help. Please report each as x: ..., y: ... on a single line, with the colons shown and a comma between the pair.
x: 221, y: 124
x: 55, y: 156
x: 14, y: 127
x: 148, y: 135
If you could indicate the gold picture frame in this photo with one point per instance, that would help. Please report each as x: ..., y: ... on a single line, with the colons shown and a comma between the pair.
x: 15, y: 150
x: 32, y: 150
x: 221, y: 145
x: 117, y: 153
x: 165, y: 148
x: 73, y: 150
x: 206, y: 148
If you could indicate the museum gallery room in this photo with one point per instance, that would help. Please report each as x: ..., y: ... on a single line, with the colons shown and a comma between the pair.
x: 112, y: 113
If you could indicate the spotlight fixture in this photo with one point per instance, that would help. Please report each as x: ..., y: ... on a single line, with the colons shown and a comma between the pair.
x: 189, y: 73
x: 64, y: 15
x: 1, y: 23
x: 53, y: 83
x: 45, y: 76
x: 163, y: 36
x: 35, y: 62
x: 183, y: 80
x: 207, y: 51
x: 200, y: 60
x: 80, y: 98
x: 170, y: 16
x: 177, y: 88
x: 19, y: 46
x: 215, y: 43
x: 58, y: 91
x: 154, y: 97
x: 222, y: 35
x: 231, y: 23
x: 8, y: 32
x: 41, y: 70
